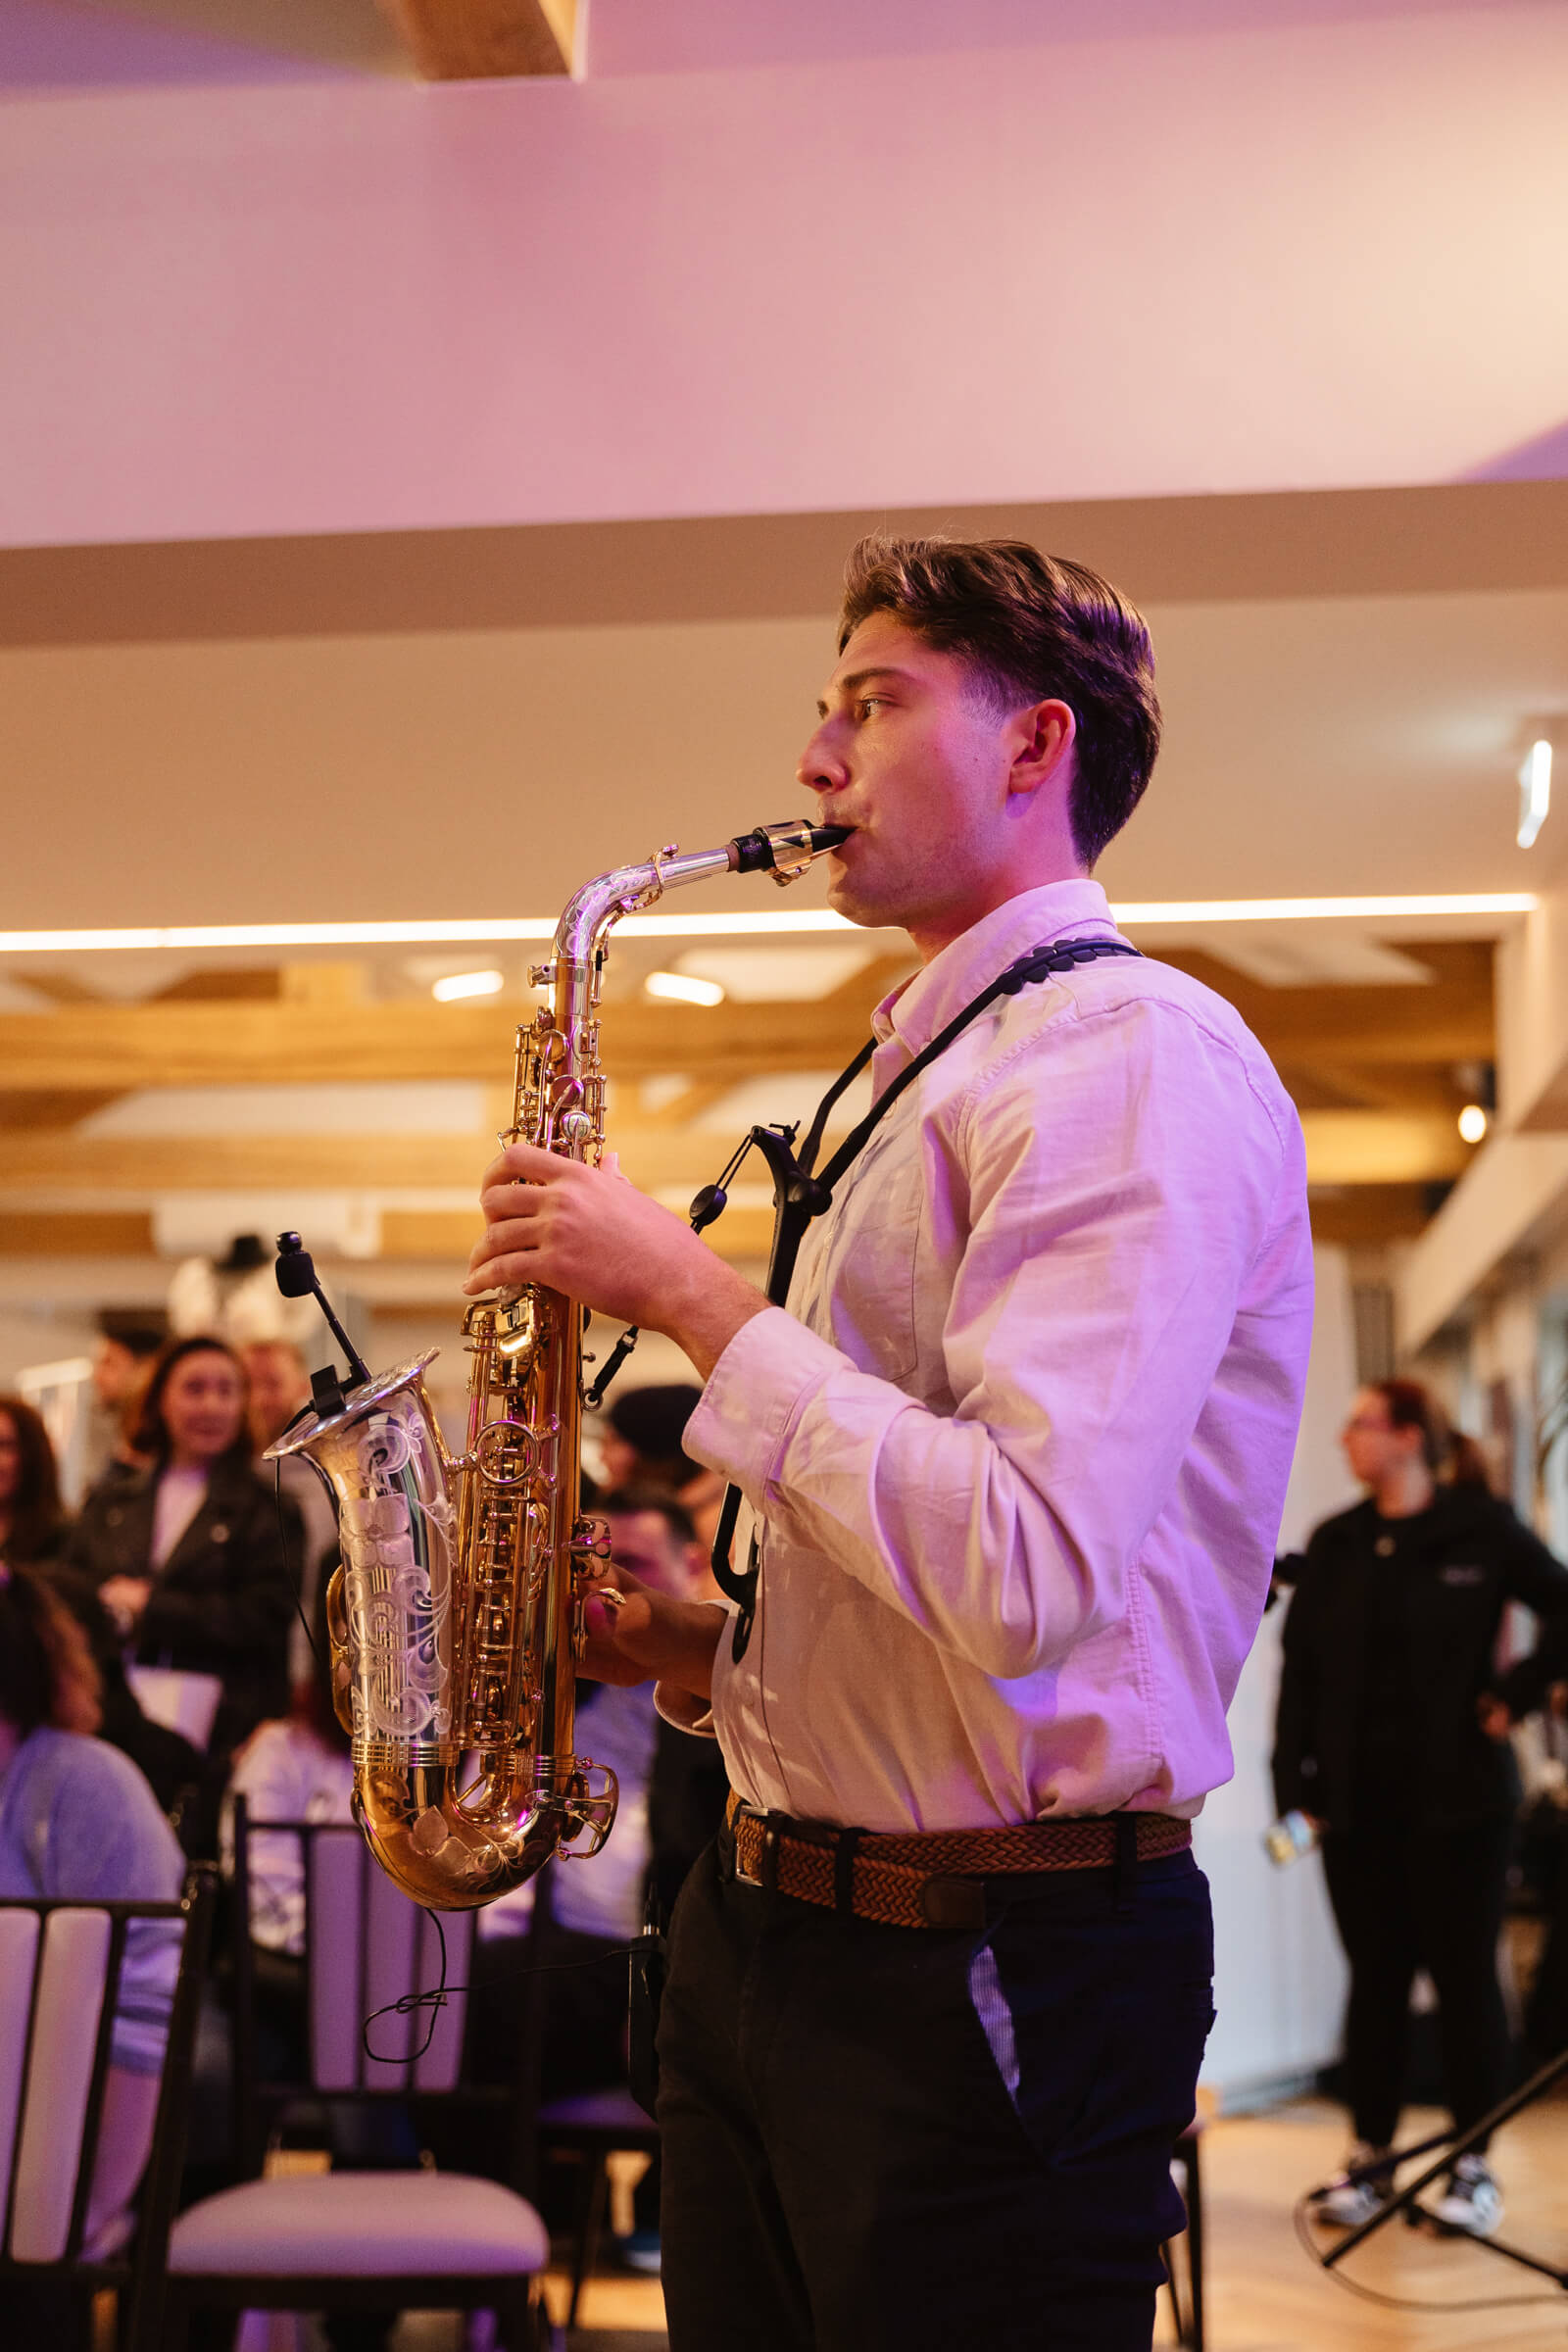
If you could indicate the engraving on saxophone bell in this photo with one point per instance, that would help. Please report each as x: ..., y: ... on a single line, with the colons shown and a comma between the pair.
x: 456, y: 1617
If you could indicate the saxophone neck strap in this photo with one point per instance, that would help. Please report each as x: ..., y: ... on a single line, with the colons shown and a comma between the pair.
x: 800, y: 1195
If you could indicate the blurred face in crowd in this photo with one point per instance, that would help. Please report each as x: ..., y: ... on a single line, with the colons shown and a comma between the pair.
x: 115, y: 1372
x: 278, y: 1387
x: 620, y: 1458
x: 203, y: 1407
x: 1374, y: 1449
x: 646, y: 1544
x: 10, y: 1464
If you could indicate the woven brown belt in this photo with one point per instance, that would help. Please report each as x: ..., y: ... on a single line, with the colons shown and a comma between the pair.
x: 929, y: 1879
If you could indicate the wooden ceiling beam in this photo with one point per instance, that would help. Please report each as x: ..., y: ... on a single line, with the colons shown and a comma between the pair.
x: 424, y: 1233
x: 1369, y: 1213
x: 77, y: 1233
x: 478, y: 40
x: 48, y: 1165
x: 122, y: 1047
x: 127, y: 1046
x: 1342, y: 1147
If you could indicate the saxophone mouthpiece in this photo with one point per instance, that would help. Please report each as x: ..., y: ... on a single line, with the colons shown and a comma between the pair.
x: 784, y: 851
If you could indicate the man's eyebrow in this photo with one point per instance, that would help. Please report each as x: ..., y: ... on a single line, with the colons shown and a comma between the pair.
x: 860, y: 679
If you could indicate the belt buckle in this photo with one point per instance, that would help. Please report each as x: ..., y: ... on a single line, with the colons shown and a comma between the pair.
x: 770, y: 1870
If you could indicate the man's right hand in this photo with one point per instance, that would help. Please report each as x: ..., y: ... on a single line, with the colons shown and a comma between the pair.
x: 652, y: 1636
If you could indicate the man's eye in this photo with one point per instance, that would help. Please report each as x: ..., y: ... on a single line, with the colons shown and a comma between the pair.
x: 870, y: 701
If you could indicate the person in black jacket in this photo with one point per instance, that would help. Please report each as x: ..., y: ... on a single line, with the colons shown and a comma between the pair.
x: 1392, y: 1737
x: 188, y: 1557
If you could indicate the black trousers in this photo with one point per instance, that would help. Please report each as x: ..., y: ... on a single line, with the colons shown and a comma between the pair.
x: 884, y: 2140
x: 1404, y: 1898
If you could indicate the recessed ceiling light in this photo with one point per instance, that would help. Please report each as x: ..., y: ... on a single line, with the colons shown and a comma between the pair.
x: 467, y: 984
x: 682, y: 988
x: 1535, y: 790
x: 1473, y: 1124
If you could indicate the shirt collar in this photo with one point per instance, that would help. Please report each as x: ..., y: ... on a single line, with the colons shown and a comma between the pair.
x: 918, y: 1008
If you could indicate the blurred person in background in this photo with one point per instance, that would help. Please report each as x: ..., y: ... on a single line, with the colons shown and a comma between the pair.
x: 280, y: 1384
x: 187, y: 1555
x: 122, y: 1366
x: 33, y: 1523
x: 1392, y: 1738
x: 653, y: 1537
x: 641, y: 1447
x: 32, y: 1534
x: 172, y: 1766
x: 79, y: 1823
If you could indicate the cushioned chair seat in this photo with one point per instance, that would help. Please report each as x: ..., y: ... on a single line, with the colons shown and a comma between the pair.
x: 360, y: 2224
x: 610, y: 2110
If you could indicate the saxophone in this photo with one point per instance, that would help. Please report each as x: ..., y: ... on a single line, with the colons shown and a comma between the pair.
x: 456, y: 1619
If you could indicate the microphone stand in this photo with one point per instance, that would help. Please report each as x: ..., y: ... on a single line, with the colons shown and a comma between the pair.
x: 1453, y: 2145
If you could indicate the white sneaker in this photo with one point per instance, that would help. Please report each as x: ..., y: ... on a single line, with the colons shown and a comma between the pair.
x: 1472, y: 2200
x: 1346, y: 2204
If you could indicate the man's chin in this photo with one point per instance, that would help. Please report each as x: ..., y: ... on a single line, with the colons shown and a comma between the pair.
x: 857, y: 907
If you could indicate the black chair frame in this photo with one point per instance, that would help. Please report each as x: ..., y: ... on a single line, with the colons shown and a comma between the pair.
x: 136, y: 2275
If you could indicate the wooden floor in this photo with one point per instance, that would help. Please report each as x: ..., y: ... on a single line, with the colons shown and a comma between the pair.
x: 1263, y: 2294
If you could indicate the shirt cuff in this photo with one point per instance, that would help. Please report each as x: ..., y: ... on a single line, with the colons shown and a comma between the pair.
x: 753, y: 1394
x: 684, y: 1711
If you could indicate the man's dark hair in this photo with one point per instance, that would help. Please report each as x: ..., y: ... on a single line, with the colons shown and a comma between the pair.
x: 1029, y: 627
x: 653, y: 1421
x: 628, y: 1501
x: 135, y: 1331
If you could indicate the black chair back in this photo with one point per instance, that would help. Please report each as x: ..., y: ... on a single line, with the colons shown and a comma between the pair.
x: 91, y: 2146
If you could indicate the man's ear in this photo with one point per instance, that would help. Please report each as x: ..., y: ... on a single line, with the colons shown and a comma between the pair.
x: 1043, y: 735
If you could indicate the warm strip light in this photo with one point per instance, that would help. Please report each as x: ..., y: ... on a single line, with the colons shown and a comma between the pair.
x: 785, y: 924
x: 682, y: 988
x: 1307, y: 910
x: 467, y: 984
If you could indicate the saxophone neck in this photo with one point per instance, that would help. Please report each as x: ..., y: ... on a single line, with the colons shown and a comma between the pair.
x: 783, y: 849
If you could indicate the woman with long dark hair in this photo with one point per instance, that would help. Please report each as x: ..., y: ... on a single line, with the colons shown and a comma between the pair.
x: 1392, y: 1738
x: 33, y: 1523
x: 188, y: 1557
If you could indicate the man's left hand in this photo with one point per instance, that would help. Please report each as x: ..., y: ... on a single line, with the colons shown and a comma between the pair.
x: 589, y: 1232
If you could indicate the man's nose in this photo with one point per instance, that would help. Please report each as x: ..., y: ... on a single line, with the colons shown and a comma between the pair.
x: 819, y: 767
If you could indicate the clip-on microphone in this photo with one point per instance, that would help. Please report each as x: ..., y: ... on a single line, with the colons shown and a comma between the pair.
x: 297, y: 1279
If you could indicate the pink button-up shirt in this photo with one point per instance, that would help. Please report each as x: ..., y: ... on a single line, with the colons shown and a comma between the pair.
x: 1020, y: 1445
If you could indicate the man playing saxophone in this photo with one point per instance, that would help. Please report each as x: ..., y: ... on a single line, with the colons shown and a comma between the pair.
x: 1016, y: 1451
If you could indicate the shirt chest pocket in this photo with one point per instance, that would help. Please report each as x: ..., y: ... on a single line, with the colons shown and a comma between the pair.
x: 866, y: 1273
